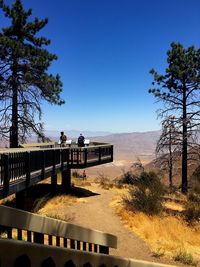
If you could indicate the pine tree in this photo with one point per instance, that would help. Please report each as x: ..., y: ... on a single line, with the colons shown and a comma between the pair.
x: 179, y: 89
x: 24, y: 80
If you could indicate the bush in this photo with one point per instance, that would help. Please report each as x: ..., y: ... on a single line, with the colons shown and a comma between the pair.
x: 128, y: 178
x: 192, y: 208
x: 76, y: 174
x: 147, y: 196
x: 183, y: 256
x: 105, y: 182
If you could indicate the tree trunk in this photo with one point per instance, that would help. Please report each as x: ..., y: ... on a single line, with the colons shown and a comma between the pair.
x: 184, y: 146
x: 14, y: 127
x: 170, y: 158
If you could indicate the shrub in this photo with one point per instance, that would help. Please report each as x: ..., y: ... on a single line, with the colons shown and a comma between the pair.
x: 147, y: 197
x: 158, y: 253
x: 192, y: 208
x: 195, y: 181
x: 105, y: 182
x: 132, y: 176
x: 183, y: 256
x: 128, y: 178
x: 76, y: 174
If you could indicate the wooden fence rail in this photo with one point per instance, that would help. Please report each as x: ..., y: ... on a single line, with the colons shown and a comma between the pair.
x: 26, y: 226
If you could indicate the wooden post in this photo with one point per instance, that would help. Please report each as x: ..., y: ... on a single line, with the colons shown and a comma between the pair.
x: 54, y: 175
x: 111, y: 148
x: 21, y: 199
x: 54, y: 182
x: 85, y: 157
x: 99, y: 155
x: 6, y: 177
x: 78, y: 156
x: 42, y: 164
x: 62, y: 159
x: 27, y: 166
x: 38, y: 238
x: 103, y: 250
x: 66, y: 180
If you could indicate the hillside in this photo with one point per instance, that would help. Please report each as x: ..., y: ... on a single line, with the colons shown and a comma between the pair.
x: 128, y: 147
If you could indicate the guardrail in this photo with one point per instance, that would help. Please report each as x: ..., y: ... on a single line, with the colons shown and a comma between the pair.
x: 21, y: 225
x: 30, y: 166
x: 15, y: 253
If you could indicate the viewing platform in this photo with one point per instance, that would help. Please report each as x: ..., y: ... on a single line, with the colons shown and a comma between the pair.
x: 21, y: 168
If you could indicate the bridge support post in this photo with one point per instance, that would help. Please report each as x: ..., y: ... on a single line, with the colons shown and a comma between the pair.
x: 54, y: 182
x: 21, y: 198
x: 66, y: 180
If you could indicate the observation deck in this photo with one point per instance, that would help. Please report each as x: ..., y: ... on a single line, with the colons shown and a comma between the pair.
x: 21, y: 168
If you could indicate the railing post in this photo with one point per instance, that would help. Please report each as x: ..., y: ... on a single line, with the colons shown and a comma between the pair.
x: 111, y: 151
x: 103, y: 250
x: 27, y: 167
x: 85, y: 155
x: 54, y: 162
x: 62, y: 159
x: 42, y: 164
x: 21, y: 197
x: 66, y: 180
x: 38, y: 238
x: 77, y: 159
x: 54, y: 175
x: 99, y: 154
x: 6, y: 174
x: 68, y: 158
x: 72, y: 156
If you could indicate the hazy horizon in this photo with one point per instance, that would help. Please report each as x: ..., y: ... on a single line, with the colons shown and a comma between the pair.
x: 94, y: 133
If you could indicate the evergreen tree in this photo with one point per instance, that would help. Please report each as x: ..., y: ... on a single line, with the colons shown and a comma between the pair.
x: 24, y: 80
x: 179, y: 89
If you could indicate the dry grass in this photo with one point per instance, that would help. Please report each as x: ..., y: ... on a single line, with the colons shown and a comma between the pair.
x: 166, y: 235
x: 80, y: 182
x: 8, y: 201
x: 56, y: 207
x: 174, y: 206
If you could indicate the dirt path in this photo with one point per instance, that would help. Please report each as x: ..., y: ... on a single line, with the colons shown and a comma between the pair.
x: 95, y: 212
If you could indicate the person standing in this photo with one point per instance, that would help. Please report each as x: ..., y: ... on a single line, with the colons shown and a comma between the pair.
x: 81, y: 140
x: 84, y: 175
x: 63, y: 139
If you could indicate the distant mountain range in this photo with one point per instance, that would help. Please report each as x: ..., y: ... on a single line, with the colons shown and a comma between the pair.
x: 127, y: 146
x: 75, y: 133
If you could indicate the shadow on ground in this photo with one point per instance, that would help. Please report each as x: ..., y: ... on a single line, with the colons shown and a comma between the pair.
x: 38, y: 195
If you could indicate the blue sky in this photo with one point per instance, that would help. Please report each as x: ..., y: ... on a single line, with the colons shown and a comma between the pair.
x: 105, y: 50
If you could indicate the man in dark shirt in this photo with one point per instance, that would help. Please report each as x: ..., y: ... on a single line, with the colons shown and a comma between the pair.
x: 81, y: 140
